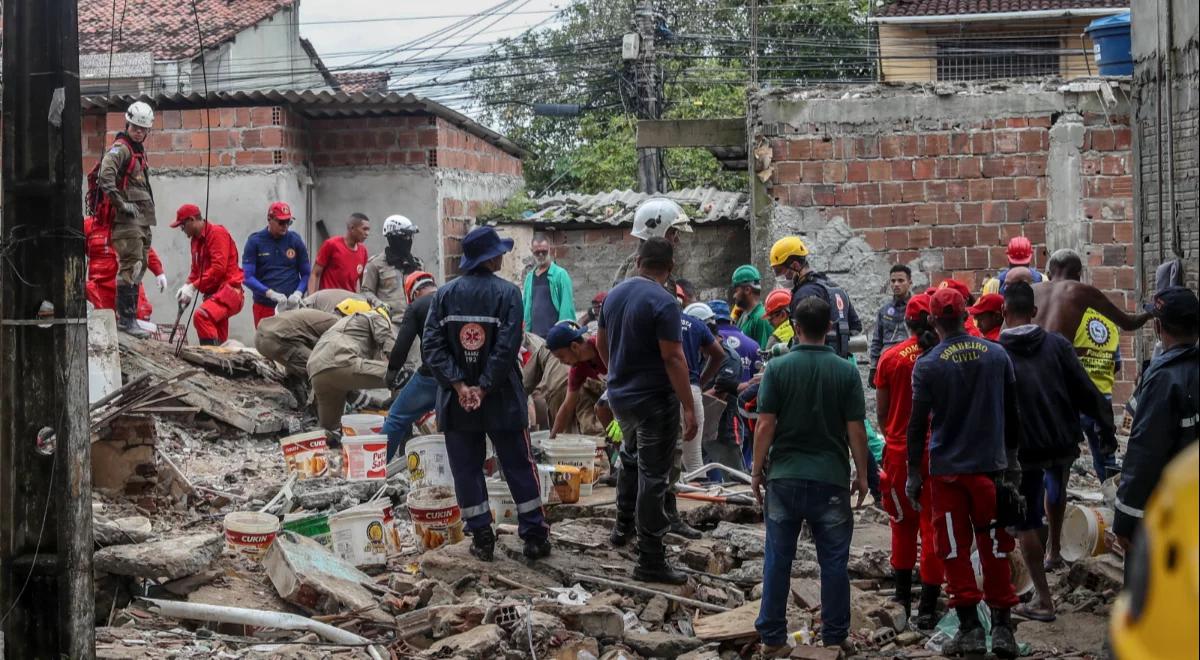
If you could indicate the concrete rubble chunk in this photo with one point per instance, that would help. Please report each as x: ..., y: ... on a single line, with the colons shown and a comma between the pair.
x: 816, y: 653
x: 806, y: 593
x: 167, y: 558
x: 660, y: 644
x: 478, y: 642
x: 121, y: 532
x: 603, y: 622
x: 579, y: 648
x: 655, y: 611
x: 710, y: 651
x: 307, y: 575
x: 748, y: 542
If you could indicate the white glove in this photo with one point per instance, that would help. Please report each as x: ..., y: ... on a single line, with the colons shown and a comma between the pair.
x: 294, y: 300
x: 276, y: 297
x: 162, y: 282
x: 129, y: 208
x: 186, y: 293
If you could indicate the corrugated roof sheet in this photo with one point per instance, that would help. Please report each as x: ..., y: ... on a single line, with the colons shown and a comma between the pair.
x: 315, y: 105
x: 946, y: 7
x: 617, y: 207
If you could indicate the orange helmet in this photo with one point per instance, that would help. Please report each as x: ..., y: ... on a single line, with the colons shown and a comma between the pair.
x: 777, y: 300
x: 415, y: 281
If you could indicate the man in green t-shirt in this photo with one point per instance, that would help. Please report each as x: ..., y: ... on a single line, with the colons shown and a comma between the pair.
x: 810, y: 421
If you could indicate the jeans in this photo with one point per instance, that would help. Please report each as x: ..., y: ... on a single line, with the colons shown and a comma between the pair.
x: 1104, y: 465
x: 414, y: 400
x: 826, y: 508
x: 650, y: 433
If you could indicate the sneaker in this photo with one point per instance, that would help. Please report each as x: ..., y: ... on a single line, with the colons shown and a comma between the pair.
x: 537, y: 548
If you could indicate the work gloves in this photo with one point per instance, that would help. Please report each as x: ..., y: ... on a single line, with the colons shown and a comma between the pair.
x: 398, y: 378
x: 186, y: 294
x: 162, y: 282
x: 912, y: 488
x: 129, y: 208
x: 293, y: 301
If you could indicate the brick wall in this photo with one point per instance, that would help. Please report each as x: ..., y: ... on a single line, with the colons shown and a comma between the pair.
x: 948, y: 194
x: 458, y: 149
x: 416, y: 140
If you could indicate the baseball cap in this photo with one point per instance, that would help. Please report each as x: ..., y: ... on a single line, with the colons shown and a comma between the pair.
x: 947, y: 303
x: 990, y: 302
x: 563, y: 334
x: 957, y: 286
x: 598, y: 299
x: 720, y: 309
x: 917, y: 305
x: 1176, y: 304
x: 280, y: 211
x: 186, y: 211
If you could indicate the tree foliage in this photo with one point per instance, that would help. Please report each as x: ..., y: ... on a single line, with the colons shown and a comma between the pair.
x: 703, y: 48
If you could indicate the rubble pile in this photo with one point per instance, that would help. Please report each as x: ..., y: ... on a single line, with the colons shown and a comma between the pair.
x: 170, y: 585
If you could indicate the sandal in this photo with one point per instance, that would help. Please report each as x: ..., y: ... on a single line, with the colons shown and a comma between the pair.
x: 1027, y: 611
x: 1052, y: 565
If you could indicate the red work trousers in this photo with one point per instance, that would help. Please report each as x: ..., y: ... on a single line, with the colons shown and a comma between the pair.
x: 212, y: 318
x: 907, y: 523
x: 261, y: 312
x: 964, y: 508
x: 103, y: 295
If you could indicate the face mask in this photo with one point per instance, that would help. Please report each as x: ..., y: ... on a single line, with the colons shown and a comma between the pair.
x: 785, y: 281
x: 400, y: 243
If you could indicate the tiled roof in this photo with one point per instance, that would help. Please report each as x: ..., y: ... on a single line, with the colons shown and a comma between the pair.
x: 617, y: 207
x: 944, y: 7
x: 351, y: 82
x: 167, y: 28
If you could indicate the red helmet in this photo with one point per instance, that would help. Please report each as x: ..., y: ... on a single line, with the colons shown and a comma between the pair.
x: 777, y: 300
x: 415, y: 281
x: 1020, y: 251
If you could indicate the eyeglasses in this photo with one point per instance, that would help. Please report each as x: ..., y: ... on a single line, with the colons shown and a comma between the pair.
x: 286, y: 223
x: 540, y: 253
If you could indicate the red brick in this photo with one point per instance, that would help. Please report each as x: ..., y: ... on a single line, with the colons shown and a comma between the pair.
x: 941, y: 237
x: 935, y: 191
x: 957, y: 191
x: 874, y: 238
x: 1036, y: 231
x: 1027, y: 188
x: 924, y: 168
x: 1122, y: 138
x: 427, y: 138
x: 972, y: 213
x: 822, y: 149
x: 913, y: 191
x: 977, y: 258
x: 979, y: 189
x: 857, y: 171
x: 858, y: 217
x: 867, y: 146
x: 954, y: 258
x: 982, y: 142
x: 889, y: 146
x: 1122, y: 186
x: 902, y: 215
x: 902, y: 170
x: 890, y: 193
x: 908, y: 145
x: 800, y: 149
x: 1034, y: 140
x: 897, y: 239
x: 934, y: 144
x: 881, y: 216
x: 925, y: 214
x: 1004, y: 189
x: 824, y: 195
x: 1123, y: 232
x: 947, y: 214
x: 995, y: 212
x: 989, y: 235
x: 947, y: 168
x: 960, y: 143
x: 812, y: 172
x: 833, y: 172
x: 997, y: 257
x: 1037, y: 210
x: 970, y: 167
x: 1042, y: 121
x: 799, y: 195
x: 1114, y: 165
x: 879, y: 170
x: 918, y: 238
x: 868, y: 193
x: 846, y: 195
x: 1103, y: 139
x: 964, y: 236
x: 260, y: 116
x: 994, y: 166
x: 1125, y: 278
x: 1035, y: 165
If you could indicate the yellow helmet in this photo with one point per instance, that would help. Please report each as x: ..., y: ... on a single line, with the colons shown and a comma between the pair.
x: 353, y: 305
x: 786, y: 247
x: 1155, y: 616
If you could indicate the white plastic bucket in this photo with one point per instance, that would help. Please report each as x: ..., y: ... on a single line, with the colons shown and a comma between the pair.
x: 1083, y: 531
x: 546, y: 481
x: 578, y: 451
x: 436, y: 518
x: 504, y: 508
x: 428, y: 462
x: 364, y: 456
x: 306, y: 454
x: 249, y: 533
x: 364, y: 534
x: 362, y: 424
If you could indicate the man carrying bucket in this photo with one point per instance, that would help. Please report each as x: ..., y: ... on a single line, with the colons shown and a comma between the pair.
x: 471, y: 343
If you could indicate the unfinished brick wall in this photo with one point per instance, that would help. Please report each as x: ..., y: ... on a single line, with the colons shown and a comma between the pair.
x: 458, y: 149
x: 267, y: 135
x: 948, y: 194
x: 415, y: 140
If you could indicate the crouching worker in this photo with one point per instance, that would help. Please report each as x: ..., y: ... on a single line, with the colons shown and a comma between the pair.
x: 216, y: 275
x: 471, y: 343
x: 417, y: 389
x: 351, y: 355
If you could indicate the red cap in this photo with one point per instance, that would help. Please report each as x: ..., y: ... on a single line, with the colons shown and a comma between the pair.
x: 990, y: 302
x: 186, y: 211
x: 957, y: 286
x: 280, y: 211
x: 1020, y: 251
x: 598, y: 299
x: 917, y: 305
x: 947, y: 303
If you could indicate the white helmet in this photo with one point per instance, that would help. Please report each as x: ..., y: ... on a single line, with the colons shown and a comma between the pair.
x: 657, y: 214
x: 700, y: 311
x: 398, y: 224
x: 141, y: 114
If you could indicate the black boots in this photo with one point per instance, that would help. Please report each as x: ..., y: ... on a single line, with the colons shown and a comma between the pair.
x: 677, y: 525
x: 483, y: 544
x: 127, y: 297
x: 622, y: 531
x: 927, y: 611
x: 1004, y: 643
x: 971, y: 640
x: 537, y: 548
x: 904, y: 589
x: 654, y: 568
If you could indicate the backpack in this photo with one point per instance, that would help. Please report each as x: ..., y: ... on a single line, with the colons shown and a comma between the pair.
x: 839, y: 303
x: 98, y: 204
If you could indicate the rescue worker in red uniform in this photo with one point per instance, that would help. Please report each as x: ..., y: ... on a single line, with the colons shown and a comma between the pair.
x: 893, y: 384
x: 102, y: 270
x: 216, y: 274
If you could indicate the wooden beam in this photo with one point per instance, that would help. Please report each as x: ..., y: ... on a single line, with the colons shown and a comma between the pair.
x: 692, y: 132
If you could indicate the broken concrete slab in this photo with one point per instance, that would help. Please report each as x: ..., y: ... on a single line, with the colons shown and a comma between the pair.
x: 121, y: 532
x: 655, y: 611
x: 734, y: 624
x: 603, y: 622
x: 307, y: 575
x: 747, y: 542
x: 171, y: 558
x: 661, y: 644
x: 1097, y: 574
x: 711, y: 651
x: 709, y: 555
x: 806, y: 593
x: 478, y: 642
x: 816, y: 653
x: 578, y: 648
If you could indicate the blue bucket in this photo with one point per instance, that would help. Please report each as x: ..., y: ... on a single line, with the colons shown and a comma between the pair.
x: 1111, y: 37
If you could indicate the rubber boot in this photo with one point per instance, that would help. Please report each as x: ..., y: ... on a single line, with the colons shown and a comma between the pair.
x: 622, y: 531
x: 536, y: 548
x: 904, y: 589
x: 927, y: 615
x: 127, y: 296
x: 208, y: 342
x: 677, y: 525
x: 1004, y: 643
x: 654, y: 568
x: 483, y: 544
x: 971, y: 640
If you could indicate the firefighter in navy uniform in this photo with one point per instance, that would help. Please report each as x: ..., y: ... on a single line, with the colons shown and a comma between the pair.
x: 471, y: 343
x: 789, y: 260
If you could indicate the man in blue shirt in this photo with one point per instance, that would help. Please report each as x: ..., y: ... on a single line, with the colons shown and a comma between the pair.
x: 275, y: 263
x: 640, y: 339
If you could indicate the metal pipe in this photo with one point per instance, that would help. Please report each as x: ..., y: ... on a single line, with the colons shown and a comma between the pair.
x: 737, y: 474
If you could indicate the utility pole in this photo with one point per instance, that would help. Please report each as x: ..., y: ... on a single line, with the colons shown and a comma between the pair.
x: 46, y: 591
x: 649, y: 101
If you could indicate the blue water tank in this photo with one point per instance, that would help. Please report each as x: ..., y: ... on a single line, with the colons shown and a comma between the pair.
x: 1112, y: 45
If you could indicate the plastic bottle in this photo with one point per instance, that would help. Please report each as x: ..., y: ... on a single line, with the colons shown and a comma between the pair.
x: 802, y: 637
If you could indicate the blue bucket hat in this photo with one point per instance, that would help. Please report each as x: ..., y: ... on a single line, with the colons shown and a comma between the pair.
x: 481, y: 244
x: 720, y: 310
